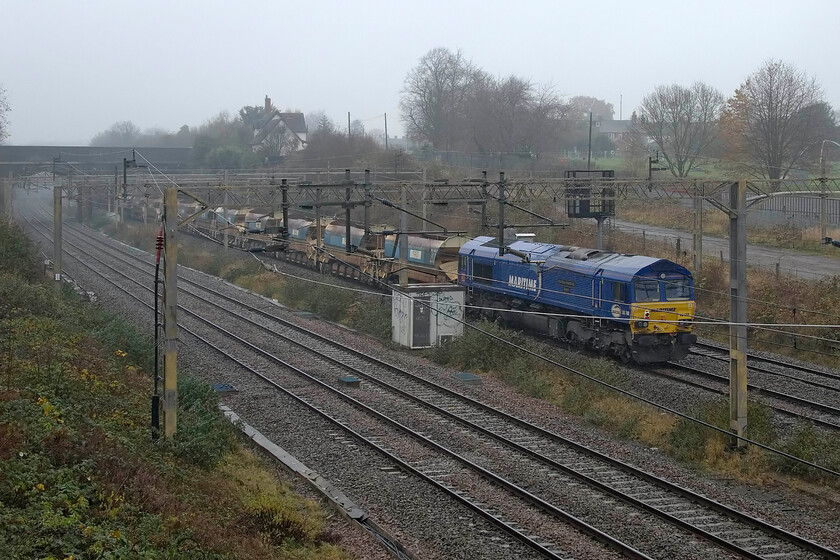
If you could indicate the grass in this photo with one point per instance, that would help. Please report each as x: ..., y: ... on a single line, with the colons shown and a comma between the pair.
x: 626, y: 417
x: 631, y: 419
x: 80, y: 476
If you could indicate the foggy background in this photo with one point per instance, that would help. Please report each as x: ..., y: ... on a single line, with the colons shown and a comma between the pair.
x: 72, y: 69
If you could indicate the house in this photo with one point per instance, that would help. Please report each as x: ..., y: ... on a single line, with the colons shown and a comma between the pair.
x: 289, y: 127
x: 615, y: 130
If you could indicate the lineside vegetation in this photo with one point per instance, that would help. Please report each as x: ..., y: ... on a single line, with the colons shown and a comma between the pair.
x: 79, y: 474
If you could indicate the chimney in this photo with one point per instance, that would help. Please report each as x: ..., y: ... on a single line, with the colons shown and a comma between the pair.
x: 267, y: 104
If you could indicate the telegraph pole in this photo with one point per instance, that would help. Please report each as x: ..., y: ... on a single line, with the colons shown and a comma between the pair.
x: 80, y: 216
x: 738, y: 313
x: 822, y: 196
x: 367, y: 201
x: 484, y: 186
x: 348, y: 192
x: 170, y: 318
x: 403, y: 238
x: 284, y: 206
x: 57, y: 222
x: 386, y: 132
x: 225, y: 224
x: 425, y: 191
x: 318, y: 232
x: 502, y: 213
x: 698, y: 228
x: 822, y: 188
x: 589, y: 152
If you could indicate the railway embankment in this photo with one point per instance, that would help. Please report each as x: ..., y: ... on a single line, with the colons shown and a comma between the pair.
x: 80, y: 475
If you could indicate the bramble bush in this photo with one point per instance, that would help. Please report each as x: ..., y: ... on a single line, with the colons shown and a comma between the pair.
x: 80, y: 476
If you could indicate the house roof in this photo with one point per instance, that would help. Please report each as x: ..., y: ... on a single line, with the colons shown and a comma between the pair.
x: 295, y: 122
x: 615, y: 127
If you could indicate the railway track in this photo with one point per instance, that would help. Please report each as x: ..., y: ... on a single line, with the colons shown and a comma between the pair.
x: 798, y: 407
x: 505, y: 441
x: 344, y: 419
x: 722, y: 354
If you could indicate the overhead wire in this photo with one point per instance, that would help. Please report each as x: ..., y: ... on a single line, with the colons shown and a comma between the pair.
x: 710, y: 321
x: 628, y: 278
x: 752, y: 300
x: 593, y: 379
x: 596, y: 380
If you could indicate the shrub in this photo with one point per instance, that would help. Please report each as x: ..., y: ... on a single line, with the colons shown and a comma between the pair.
x: 204, y: 436
x: 813, y: 446
x: 18, y: 298
x: 114, y: 332
x: 18, y: 256
x: 475, y: 351
x: 521, y: 372
x: 371, y: 315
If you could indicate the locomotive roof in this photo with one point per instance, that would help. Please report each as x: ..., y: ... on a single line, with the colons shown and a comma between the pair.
x: 587, y: 261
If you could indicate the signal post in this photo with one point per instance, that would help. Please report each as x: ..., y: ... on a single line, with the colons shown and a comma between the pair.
x: 738, y: 312
x: 170, y: 307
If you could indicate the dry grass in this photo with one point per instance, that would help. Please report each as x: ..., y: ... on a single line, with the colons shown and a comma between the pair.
x: 751, y: 466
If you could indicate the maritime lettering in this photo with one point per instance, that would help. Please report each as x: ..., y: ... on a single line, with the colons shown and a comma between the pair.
x: 529, y: 284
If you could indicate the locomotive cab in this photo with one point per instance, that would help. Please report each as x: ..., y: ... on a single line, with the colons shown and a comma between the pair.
x: 661, y: 313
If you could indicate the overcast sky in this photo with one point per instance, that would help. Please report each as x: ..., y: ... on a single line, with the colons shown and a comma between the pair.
x: 72, y: 69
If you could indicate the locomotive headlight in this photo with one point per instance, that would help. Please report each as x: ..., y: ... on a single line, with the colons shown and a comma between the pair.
x: 684, y: 323
x: 641, y: 324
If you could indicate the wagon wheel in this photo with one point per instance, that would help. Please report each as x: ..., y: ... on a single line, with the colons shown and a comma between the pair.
x: 624, y: 354
x: 500, y: 320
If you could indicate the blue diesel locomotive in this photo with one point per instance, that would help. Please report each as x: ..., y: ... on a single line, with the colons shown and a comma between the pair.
x: 637, y: 308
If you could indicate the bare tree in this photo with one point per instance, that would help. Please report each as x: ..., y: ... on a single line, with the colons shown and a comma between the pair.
x: 545, y: 118
x: 513, y: 115
x: 497, y: 113
x: 683, y: 122
x: 123, y: 133
x: 773, y: 119
x: 4, y: 122
x: 434, y: 98
x: 455, y: 106
x: 581, y: 105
